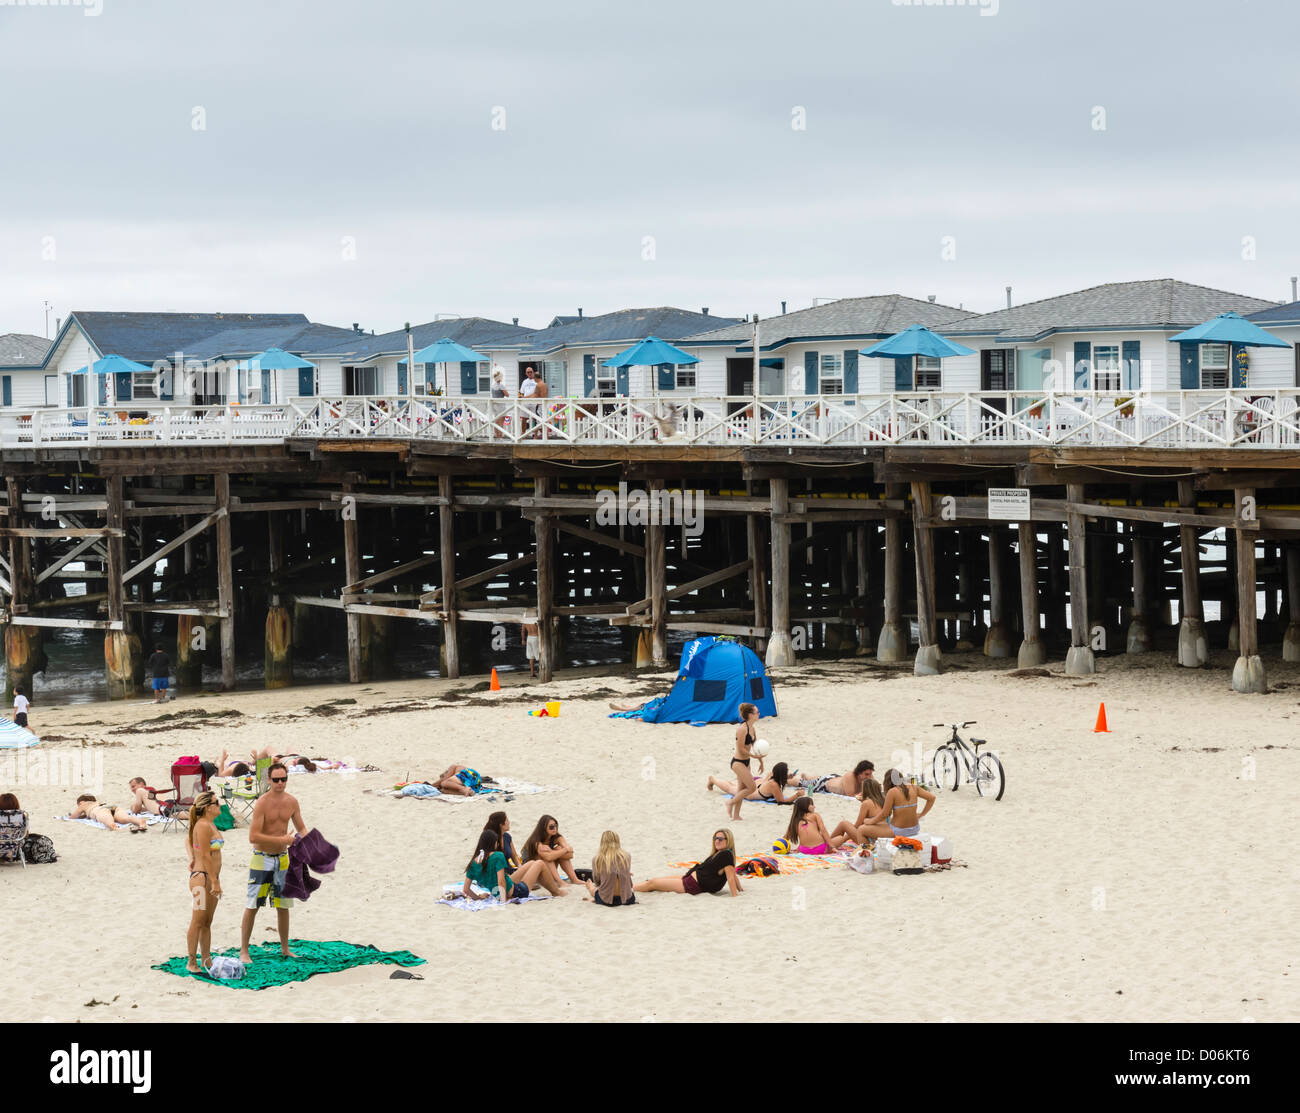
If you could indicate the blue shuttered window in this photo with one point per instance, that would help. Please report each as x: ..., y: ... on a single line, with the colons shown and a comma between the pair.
x: 6, y: 390
x: 468, y: 377
x: 265, y: 393
x: 902, y: 373
x: 851, y: 372
x: 1082, y: 365
x: 101, y: 386
x: 401, y: 378
x: 68, y: 380
x: 667, y: 376
x: 588, y: 376
x: 1189, y: 365
x: 122, y: 386
x: 1131, y: 357
x: 621, y: 381
x: 306, y: 382
x: 811, y: 383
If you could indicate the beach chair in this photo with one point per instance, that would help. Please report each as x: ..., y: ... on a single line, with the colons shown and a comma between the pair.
x: 13, y: 833
x: 188, y: 780
x: 246, y: 791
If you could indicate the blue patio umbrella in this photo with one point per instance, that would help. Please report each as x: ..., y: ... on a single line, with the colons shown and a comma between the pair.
x: 651, y: 352
x: 916, y: 340
x: 112, y: 366
x: 447, y: 350
x: 277, y: 359
x: 1230, y: 328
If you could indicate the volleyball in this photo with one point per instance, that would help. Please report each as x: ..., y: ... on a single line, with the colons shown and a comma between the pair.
x: 759, y: 748
x: 782, y: 846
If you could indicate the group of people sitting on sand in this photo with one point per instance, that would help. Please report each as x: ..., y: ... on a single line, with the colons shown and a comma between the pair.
x: 547, y: 862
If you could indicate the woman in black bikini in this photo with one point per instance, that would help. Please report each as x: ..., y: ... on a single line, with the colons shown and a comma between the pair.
x: 772, y: 789
x: 745, y: 739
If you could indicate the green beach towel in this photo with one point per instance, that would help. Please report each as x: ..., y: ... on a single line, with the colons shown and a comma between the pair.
x: 224, y: 821
x: 312, y: 957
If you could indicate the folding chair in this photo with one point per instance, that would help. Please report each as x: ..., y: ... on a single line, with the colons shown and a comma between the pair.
x: 188, y: 780
x: 247, y: 790
x: 13, y: 832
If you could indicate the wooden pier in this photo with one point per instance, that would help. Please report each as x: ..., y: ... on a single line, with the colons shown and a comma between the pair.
x: 797, y: 547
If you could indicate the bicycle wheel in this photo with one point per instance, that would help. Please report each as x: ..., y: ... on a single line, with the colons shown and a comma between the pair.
x: 945, y: 768
x: 990, y: 780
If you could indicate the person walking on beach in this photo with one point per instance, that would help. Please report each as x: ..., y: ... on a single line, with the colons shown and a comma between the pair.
x: 21, y: 704
x: 205, y: 879
x: 160, y: 668
x: 269, y: 835
x: 529, y: 632
x: 745, y: 739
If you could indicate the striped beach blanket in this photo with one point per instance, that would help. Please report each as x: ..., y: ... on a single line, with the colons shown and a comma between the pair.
x: 794, y: 863
x: 453, y: 896
x: 14, y: 737
x: 503, y: 785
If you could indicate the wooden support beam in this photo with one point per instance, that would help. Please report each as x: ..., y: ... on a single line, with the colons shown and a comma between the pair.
x: 758, y: 596
x: 1248, y: 672
x: 176, y: 542
x: 55, y: 532
x: 66, y: 558
x: 447, y: 551
x: 599, y: 538
x: 780, y: 646
x: 225, y: 581
x: 435, y: 596
x: 657, y: 581
x: 66, y: 623
x: 1193, y: 646
x: 351, y: 574
x: 892, y: 645
x: 545, y: 547
x: 390, y: 574
x: 929, y: 661
x: 1032, y: 651
x: 1080, y: 661
x: 116, y: 549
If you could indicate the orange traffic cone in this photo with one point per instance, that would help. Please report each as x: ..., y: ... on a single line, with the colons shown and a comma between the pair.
x: 1101, y: 727
x: 496, y: 684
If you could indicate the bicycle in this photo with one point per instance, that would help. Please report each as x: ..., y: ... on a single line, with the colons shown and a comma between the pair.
x: 983, y: 770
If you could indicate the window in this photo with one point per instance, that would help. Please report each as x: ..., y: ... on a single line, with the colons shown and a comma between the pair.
x: 606, y: 379
x: 928, y: 373
x: 1031, y: 368
x: 686, y: 377
x: 1106, y: 373
x: 361, y: 380
x: 144, y: 384
x: 832, y: 373
x: 1214, y: 366
x: 484, y: 378
x: 429, y: 383
x: 78, y: 389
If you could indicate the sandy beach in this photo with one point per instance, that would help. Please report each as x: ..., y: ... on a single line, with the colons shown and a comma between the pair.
x: 1131, y: 876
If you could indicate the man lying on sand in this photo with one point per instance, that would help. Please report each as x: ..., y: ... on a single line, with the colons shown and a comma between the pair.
x: 110, y: 815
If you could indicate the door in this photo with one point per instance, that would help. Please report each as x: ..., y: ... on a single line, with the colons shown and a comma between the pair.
x: 997, y: 372
x: 740, y: 381
x: 6, y: 390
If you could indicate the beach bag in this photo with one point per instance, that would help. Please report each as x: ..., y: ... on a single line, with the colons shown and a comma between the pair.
x: 224, y: 821
x: 226, y: 968
x: 39, y: 848
x: 760, y: 866
x: 907, y: 860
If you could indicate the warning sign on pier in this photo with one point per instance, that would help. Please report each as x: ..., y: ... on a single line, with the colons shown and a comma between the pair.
x: 1009, y: 504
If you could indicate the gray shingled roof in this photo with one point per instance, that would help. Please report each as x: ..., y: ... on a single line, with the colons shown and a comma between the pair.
x: 881, y: 315
x: 468, y: 331
x: 298, y: 339
x: 1288, y: 314
x: 630, y: 325
x: 1162, y: 303
x: 146, y: 337
x: 21, y: 349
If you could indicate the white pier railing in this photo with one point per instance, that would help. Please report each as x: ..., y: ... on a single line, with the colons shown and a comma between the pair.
x: 1239, y: 419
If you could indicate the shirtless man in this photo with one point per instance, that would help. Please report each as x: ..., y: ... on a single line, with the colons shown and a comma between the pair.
x: 141, y: 801
x: 110, y: 815
x: 269, y: 835
x: 843, y: 784
x: 528, y: 629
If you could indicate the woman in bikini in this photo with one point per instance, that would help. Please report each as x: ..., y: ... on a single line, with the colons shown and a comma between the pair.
x: 717, y: 870
x: 898, y: 816
x: 205, y: 879
x: 549, y: 846
x: 110, y: 815
x: 771, y: 789
x: 745, y: 739
x: 808, y: 830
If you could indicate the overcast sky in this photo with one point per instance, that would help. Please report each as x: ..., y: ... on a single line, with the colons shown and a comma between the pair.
x: 333, y: 123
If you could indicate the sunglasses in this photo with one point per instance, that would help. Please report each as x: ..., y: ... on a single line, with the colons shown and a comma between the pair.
x: 278, y: 780
x: 719, y: 838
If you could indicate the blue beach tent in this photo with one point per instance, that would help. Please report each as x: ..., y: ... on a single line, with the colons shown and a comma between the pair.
x: 714, y: 679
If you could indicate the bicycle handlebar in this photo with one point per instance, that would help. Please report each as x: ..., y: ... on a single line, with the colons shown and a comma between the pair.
x: 967, y: 723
